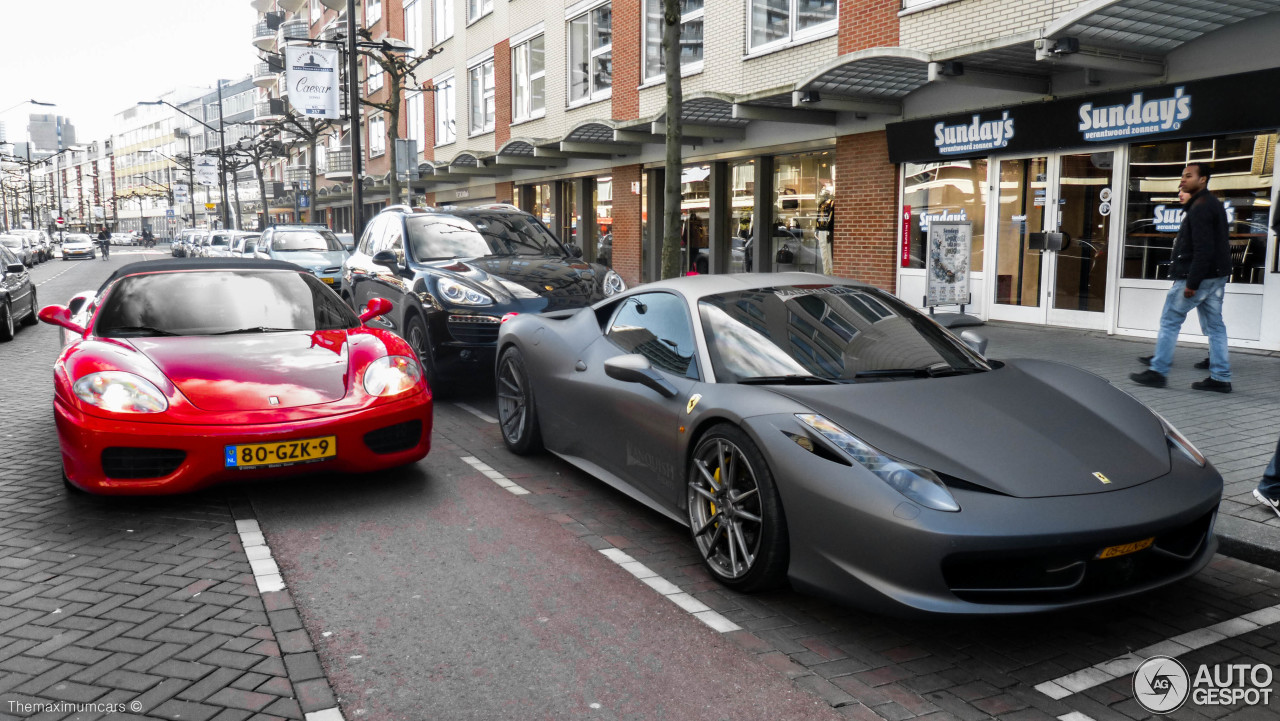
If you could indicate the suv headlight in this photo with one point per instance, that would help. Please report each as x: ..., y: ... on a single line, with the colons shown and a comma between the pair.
x: 391, y: 376
x: 1179, y: 441
x: 459, y: 294
x: 613, y: 283
x: 120, y: 392
x: 915, y: 482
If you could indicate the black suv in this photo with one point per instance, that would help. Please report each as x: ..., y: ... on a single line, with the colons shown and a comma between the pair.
x: 452, y: 275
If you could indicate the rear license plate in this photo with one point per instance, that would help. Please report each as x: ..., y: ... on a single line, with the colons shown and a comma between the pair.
x: 1125, y: 549
x: 282, y: 453
x: 328, y: 280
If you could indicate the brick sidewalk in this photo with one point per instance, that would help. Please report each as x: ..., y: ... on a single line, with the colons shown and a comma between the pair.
x: 144, y: 604
x: 1236, y: 431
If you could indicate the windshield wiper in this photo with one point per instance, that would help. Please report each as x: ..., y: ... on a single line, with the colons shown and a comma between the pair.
x: 108, y: 332
x: 937, y: 370
x: 256, y: 329
x: 794, y: 379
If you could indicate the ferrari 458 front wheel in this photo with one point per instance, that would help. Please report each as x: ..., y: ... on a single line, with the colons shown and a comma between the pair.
x: 516, y: 413
x: 735, y: 514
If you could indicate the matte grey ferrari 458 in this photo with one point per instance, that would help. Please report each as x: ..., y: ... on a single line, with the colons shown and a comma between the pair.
x: 823, y: 432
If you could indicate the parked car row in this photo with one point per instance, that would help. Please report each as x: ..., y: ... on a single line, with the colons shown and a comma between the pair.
x: 32, y: 247
x: 17, y: 293
x: 797, y: 424
x: 199, y: 243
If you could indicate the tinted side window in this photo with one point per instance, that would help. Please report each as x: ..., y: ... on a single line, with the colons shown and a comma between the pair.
x: 657, y: 326
x: 371, y: 232
x: 7, y: 257
x: 393, y: 238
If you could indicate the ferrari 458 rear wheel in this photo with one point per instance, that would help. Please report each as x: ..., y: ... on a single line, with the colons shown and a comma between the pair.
x: 735, y: 514
x: 516, y: 412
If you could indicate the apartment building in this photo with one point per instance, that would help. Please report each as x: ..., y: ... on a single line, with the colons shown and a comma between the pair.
x: 830, y: 135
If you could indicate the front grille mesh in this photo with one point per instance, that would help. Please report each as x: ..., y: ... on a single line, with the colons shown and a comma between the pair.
x: 133, y: 463
x: 396, y: 438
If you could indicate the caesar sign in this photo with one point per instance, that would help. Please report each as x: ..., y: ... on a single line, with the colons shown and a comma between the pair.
x: 312, y: 77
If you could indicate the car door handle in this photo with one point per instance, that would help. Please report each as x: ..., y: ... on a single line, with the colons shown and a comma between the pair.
x: 580, y: 366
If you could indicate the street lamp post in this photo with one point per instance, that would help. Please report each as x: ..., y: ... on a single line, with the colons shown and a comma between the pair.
x: 353, y: 110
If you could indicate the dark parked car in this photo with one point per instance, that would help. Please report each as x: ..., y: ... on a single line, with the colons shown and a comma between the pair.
x: 17, y: 294
x: 834, y: 437
x: 453, y: 276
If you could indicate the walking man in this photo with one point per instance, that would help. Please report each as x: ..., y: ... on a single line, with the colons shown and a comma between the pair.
x: 1200, y: 270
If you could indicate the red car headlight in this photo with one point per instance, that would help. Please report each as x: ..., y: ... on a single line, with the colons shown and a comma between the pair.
x: 392, y: 375
x: 120, y: 392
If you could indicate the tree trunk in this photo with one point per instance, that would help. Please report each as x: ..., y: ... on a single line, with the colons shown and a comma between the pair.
x: 393, y: 133
x: 235, y: 178
x: 262, y: 191
x: 671, y: 189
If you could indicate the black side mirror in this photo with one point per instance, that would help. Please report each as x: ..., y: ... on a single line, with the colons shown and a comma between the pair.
x: 575, y: 251
x: 386, y: 258
x: 635, y: 368
x: 14, y: 268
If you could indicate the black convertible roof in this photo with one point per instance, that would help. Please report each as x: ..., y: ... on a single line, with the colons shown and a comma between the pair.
x: 166, y: 266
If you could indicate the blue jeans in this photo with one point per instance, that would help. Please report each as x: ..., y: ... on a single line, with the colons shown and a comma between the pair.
x: 1269, y: 486
x: 1208, y: 303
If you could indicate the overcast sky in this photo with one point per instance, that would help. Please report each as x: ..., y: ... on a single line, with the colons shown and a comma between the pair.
x: 96, y: 58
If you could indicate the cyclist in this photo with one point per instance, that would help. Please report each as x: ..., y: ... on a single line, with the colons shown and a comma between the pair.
x: 104, y: 240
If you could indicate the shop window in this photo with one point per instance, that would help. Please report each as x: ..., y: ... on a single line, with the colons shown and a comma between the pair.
x: 778, y: 22
x: 1242, y: 165
x: 804, y: 188
x: 691, y: 13
x: 695, y: 211
x: 742, y: 177
x: 591, y: 55
x: 604, y: 220
x: 953, y: 190
x: 528, y: 94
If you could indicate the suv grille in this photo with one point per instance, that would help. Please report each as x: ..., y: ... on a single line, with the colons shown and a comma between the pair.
x: 474, y: 329
x: 121, y: 462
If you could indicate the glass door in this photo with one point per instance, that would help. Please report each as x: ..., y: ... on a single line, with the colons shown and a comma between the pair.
x: 1081, y: 210
x: 1045, y: 278
x: 1022, y: 195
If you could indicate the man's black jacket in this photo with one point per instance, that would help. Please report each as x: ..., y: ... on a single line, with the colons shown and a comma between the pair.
x: 1201, y: 250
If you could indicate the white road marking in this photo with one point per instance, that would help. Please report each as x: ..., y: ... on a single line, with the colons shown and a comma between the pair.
x: 329, y: 714
x: 494, y: 476
x: 55, y: 275
x: 672, y: 592
x: 1120, y: 666
x: 1075, y: 716
x: 477, y: 413
x: 265, y: 571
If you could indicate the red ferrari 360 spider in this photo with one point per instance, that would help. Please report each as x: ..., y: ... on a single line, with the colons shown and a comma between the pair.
x: 181, y: 374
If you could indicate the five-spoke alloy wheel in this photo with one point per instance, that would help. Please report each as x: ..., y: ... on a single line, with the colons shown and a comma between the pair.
x: 516, y: 412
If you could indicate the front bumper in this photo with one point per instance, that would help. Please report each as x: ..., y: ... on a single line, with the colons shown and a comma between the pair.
x: 191, y: 457
x: 67, y: 254
x: 857, y: 540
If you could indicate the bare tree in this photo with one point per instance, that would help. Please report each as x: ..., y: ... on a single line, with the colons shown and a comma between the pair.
x: 397, y: 66
x: 260, y: 149
x: 671, y: 188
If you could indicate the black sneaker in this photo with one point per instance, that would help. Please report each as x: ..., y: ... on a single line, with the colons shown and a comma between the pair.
x: 1203, y: 365
x: 1209, y: 384
x: 1149, y: 378
x: 1273, y: 505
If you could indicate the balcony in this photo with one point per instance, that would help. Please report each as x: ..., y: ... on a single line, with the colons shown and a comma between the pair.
x: 264, y: 38
x: 272, y: 109
x: 334, y: 4
x: 338, y: 164
x: 292, y: 6
x: 333, y: 31
x: 261, y: 6
x: 263, y: 75
x: 295, y: 28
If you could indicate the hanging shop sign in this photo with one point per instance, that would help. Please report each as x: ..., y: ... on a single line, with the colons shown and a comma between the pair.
x: 312, y: 77
x: 1228, y: 104
x: 206, y: 170
x: 947, y: 263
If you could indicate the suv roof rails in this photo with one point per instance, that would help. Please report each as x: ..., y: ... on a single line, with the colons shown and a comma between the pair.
x: 408, y: 209
x: 492, y: 206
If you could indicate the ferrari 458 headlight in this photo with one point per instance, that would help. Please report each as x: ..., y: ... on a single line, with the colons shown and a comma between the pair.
x: 120, y: 392
x: 915, y: 482
x: 1179, y: 441
x: 391, y: 375
x: 613, y: 283
x: 459, y: 294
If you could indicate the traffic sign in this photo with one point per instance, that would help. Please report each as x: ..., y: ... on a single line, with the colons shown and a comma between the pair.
x: 61, y: 222
x: 169, y: 212
x: 210, y: 206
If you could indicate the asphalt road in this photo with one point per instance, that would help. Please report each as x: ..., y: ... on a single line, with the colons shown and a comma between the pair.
x: 435, y: 592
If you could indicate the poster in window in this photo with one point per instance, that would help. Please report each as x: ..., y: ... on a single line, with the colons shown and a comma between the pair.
x: 947, y: 263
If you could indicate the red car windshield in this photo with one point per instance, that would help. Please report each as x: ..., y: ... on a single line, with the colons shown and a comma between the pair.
x: 220, y: 302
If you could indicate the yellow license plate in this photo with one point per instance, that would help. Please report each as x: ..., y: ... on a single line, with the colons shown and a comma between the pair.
x: 1125, y: 549
x: 328, y: 280
x: 282, y: 453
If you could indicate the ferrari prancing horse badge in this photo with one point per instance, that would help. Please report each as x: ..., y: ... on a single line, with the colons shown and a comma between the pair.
x: 693, y: 403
